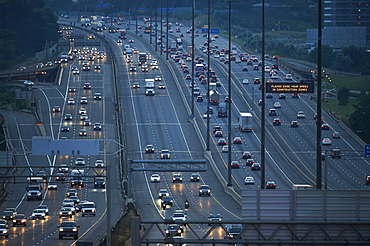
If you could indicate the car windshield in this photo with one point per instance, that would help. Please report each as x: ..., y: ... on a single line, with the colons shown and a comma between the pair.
x: 68, y: 224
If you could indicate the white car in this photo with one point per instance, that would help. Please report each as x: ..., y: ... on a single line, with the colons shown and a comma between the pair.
x: 267, y: 69
x: 71, y: 101
x: 158, y: 78
x: 155, y: 178
x: 249, y: 180
x: 29, y: 83
x: 277, y: 105
x: 82, y: 111
x: 301, y: 115
x: 38, y: 214
x: 246, y: 81
x: 44, y: 208
x: 178, y: 216
x: 99, y: 163
x: 76, y: 72
x: 80, y: 161
x: 326, y: 141
x: 288, y: 76
x: 84, y: 117
x: 52, y: 186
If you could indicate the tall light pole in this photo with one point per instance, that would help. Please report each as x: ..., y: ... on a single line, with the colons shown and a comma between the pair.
x: 192, y: 57
x: 167, y: 46
x: 263, y: 122
x: 208, y: 73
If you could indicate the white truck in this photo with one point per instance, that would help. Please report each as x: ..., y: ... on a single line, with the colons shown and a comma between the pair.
x: 245, y: 122
x: 149, y: 87
x: 77, y: 178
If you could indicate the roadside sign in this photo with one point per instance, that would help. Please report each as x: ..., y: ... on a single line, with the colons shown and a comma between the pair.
x: 141, y: 9
x: 103, y: 5
x: 204, y: 30
x: 367, y: 150
x: 215, y: 30
x: 165, y: 9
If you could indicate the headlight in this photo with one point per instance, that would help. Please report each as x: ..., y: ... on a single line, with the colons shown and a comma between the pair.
x: 5, y: 231
x: 70, y: 212
x: 179, y: 231
x: 14, y: 221
x: 93, y: 211
x: 24, y: 220
x: 60, y: 213
x: 167, y: 232
x: 61, y: 229
x: 74, y: 229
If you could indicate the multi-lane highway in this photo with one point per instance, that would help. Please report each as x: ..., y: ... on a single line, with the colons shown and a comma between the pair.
x: 164, y: 121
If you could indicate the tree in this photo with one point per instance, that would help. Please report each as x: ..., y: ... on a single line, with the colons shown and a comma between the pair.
x: 342, y: 62
x: 343, y: 96
x: 360, y: 118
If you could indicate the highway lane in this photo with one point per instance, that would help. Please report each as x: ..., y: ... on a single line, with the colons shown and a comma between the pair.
x: 46, y: 231
x: 162, y: 121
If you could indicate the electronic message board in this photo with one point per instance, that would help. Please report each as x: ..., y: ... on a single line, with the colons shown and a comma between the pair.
x: 305, y: 86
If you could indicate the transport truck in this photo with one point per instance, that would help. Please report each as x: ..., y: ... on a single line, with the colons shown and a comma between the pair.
x: 142, y: 58
x: 122, y: 34
x: 245, y: 122
x: 214, y: 97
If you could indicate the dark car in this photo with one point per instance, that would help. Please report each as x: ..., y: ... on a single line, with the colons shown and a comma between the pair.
x: 270, y: 185
x: 336, y: 153
x: 276, y: 122
x: 8, y: 215
x: 217, y: 128
x: 194, y: 177
x: 166, y: 200
x: 173, y: 230
x: 247, y: 155
x: 68, y: 229
x: 19, y: 219
x: 204, y: 190
x: 256, y: 167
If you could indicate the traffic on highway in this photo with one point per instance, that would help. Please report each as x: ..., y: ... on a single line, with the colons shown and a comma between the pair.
x: 171, y: 107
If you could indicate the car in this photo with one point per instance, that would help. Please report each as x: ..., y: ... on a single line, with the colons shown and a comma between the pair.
x: 234, y: 164
x: 155, y: 178
x: 80, y: 161
x: 255, y: 67
x: 277, y: 105
x: 97, y: 126
x: 270, y: 185
x: 323, y: 156
x: 200, y: 99
x: 336, y: 135
x: 209, y: 110
x: 288, y: 76
x: 8, y: 215
x: 4, y: 230
x: 97, y: 67
x: 158, y: 78
x: 87, y: 123
x: 75, y: 199
x: 131, y: 40
x: 214, y: 218
x: 87, y: 86
x: 269, y: 95
x: 165, y: 154
x: 161, y: 86
x: 52, y: 186
x: 219, y: 134
x: 295, y: 96
x: 149, y: 148
x: 60, y: 176
x: 88, y: 208
x: 136, y: 85
x: 237, y: 140
x: 326, y: 141
x: 188, y: 77
x: 249, y: 162
x: 72, y: 89
x: 144, y: 68
x: 221, y: 141
x: 99, y: 163
x: 68, y: 201
x: 83, y: 100
x: 162, y: 193
x: 82, y: 132
x: 367, y: 180
x: 79, y: 205
x: 19, y: 219
x: 301, y: 115
x: 97, y: 96
x: 272, y: 112
x: 247, y: 155
x: 245, y: 81
x: 64, y: 128
x: 249, y: 180
x: 225, y: 149
x: 21, y: 68
x: 194, y: 177
x: 76, y: 72
x: 71, y: 192
x: 68, y: 229
x: 282, y: 96
x: 44, y: 208
x: 132, y: 69
x: 166, y: 200
x: 294, y: 123
x: 325, y: 126
x: 38, y: 214
x: 177, y: 177
x: 71, y: 101
x: 173, y: 230
x: 256, y: 81
x: 256, y: 167
x: 56, y: 109
x: 217, y: 128
x: 82, y: 111
x: 245, y: 69
x: 204, y: 190
x: 84, y: 117
x: 276, y: 122
x: 336, y: 153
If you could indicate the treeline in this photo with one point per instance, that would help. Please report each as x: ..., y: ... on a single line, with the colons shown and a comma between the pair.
x: 26, y: 26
